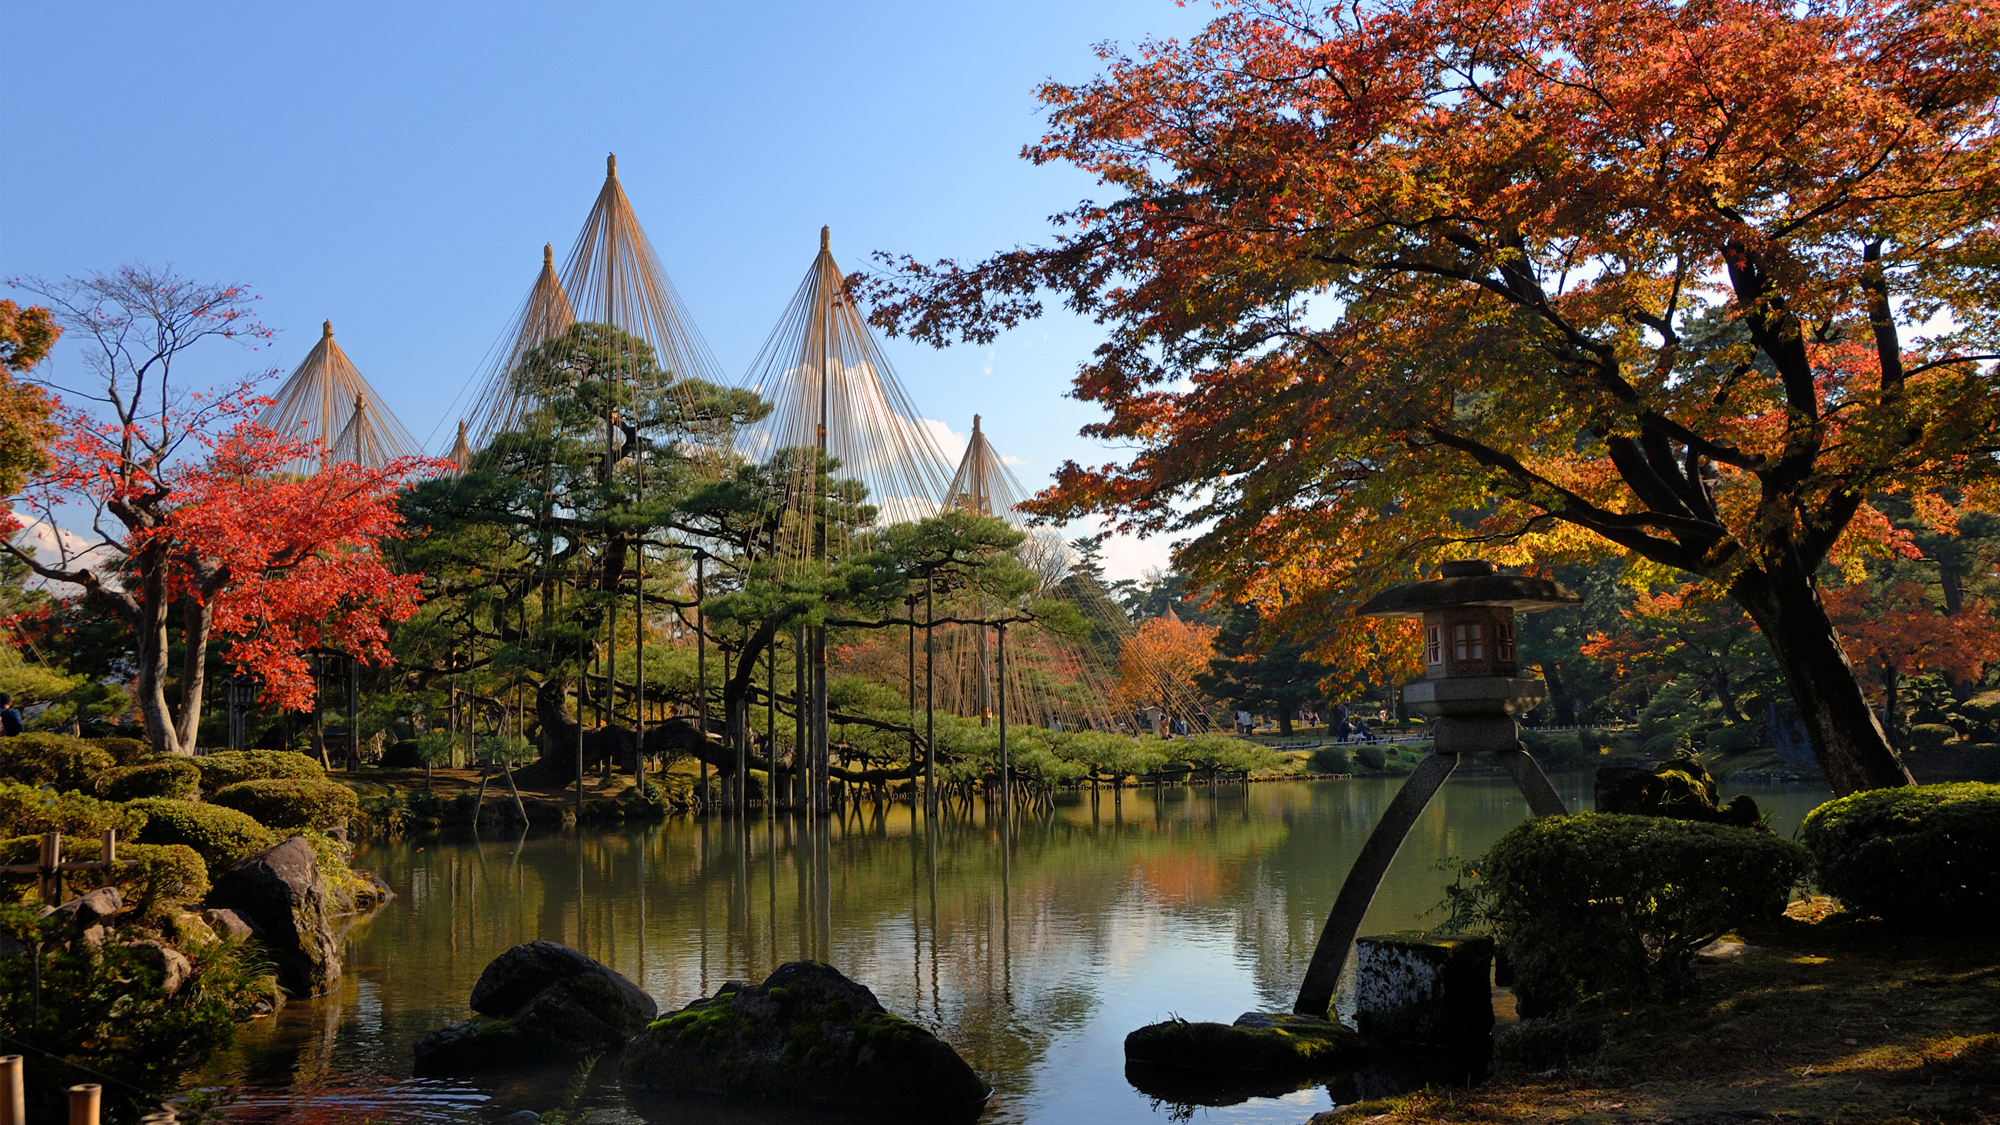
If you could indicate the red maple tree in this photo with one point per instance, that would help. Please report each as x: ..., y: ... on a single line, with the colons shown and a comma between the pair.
x: 192, y: 516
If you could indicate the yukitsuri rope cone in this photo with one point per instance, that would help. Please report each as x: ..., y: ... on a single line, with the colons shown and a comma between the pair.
x: 832, y: 390
x: 327, y: 402
x: 612, y: 276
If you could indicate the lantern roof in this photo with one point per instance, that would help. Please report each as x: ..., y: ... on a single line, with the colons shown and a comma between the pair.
x: 1469, y: 582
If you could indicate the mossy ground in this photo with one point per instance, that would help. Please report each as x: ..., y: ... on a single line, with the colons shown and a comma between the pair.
x: 1844, y: 1020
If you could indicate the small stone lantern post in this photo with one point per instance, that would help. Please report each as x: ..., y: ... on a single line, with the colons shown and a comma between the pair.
x: 1471, y: 691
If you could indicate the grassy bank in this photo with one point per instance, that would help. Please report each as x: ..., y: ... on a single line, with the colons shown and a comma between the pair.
x: 1840, y: 1020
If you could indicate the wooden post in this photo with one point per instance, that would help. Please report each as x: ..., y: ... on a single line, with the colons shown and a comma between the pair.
x: 83, y: 1101
x: 110, y: 856
x: 353, y: 713
x: 13, y: 1091
x: 51, y: 868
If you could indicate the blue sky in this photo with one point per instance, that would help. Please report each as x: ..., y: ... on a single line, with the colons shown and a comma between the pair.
x: 397, y: 168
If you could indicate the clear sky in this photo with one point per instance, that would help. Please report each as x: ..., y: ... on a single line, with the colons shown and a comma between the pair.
x: 397, y: 168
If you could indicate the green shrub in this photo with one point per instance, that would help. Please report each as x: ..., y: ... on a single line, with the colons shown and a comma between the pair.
x: 288, y: 802
x: 105, y: 1016
x: 227, y: 767
x: 177, y: 779
x: 40, y: 758
x: 1330, y: 759
x: 1593, y: 740
x: 124, y: 751
x: 220, y: 836
x: 1559, y: 748
x: 156, y: 879
x: 1371, y: 756
x: 1737, y: 738
x: 1589, y: 905
x: 1931, y: 736
x: 27, y: 811
x: 1921, y: 853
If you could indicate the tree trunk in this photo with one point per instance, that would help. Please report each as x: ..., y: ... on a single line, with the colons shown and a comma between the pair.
x: 1559, y: 697
x: 1846, y: 737
x: 151, y: 688
x: 1285, y: 722
x: 197, y: 617
x: 1726, y: 695
x: 1892, y: 711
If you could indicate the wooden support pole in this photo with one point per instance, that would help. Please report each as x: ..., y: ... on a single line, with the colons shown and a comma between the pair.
x: 83, y: 1103
x: 1006, y: 765
x: 51, y: 868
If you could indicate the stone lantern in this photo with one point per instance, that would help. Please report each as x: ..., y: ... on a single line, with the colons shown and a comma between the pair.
x: 1472, y: 691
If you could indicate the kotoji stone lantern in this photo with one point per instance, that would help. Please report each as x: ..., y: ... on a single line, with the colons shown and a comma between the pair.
x: 1472, y: 686
x: 1472, y: 692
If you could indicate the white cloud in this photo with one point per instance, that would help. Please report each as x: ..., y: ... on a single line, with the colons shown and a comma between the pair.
x: 950, y: 442
x: 55, y: 546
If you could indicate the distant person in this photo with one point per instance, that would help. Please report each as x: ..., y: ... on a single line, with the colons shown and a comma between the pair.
x: 1361, y: 730
x: 1180, y: 727
x: 1345, y: 730
x: 10, y: 719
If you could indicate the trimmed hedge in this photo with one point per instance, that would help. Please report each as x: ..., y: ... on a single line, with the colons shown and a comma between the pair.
x: 40, y: 758
x: 177, y: 779
x: 124, y: 751
x: 1922, y: 853
x: 227, y: 767
x: 286, y: 802
x: 156, y: 879
x: 1597, y: 904
x: 28, y: 811
x: 220, y: 836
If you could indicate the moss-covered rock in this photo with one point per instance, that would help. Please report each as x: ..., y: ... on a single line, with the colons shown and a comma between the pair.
x: 536, y: 1004
x: 1278, y: 1045
x: 806, y: 1034
x: 1921, y: 853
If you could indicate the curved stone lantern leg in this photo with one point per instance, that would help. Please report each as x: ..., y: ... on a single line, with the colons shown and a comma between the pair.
x: 1472, y: 691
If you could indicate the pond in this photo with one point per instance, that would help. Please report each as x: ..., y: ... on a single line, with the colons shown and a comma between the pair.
x: 1032, y: 949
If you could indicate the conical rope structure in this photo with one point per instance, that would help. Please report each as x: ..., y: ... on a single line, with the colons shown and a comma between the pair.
x: 326, y: 402
x: 831, y: 389
x: 499, y: 403
x: 1050, y: 679
x: 613, y: 276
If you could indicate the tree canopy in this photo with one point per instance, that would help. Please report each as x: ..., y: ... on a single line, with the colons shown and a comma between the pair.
x: 1392, y: 282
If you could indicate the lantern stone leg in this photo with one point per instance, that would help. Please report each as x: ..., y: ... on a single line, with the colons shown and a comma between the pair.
x: 1472, y: 693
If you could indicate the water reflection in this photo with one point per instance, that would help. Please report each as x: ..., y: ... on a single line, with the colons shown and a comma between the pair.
x: 1032, y: 945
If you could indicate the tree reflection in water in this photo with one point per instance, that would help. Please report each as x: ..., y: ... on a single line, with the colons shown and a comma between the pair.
x: 1032, y: 947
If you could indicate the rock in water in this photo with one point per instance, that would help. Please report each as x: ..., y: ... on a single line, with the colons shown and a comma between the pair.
x: 279, y: 890
x: 806, y: 1034
x: 1262, y: 1054
x: 538, y: 1002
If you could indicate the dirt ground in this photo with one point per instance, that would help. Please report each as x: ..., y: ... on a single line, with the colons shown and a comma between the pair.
x: 1839, y: 1021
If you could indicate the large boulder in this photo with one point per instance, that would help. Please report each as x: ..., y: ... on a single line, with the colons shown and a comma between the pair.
x: 538, y: 1003
x: 806, y: 1034
x: 280, y: 892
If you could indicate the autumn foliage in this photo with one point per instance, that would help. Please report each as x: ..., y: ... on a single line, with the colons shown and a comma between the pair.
x: 1387, y: 283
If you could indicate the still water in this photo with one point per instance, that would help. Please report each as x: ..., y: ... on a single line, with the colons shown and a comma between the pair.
x: 1032, y: 948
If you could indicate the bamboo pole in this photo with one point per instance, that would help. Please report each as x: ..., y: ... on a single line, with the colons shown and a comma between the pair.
x: 83, y: 1103
x: 13, y: 1091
